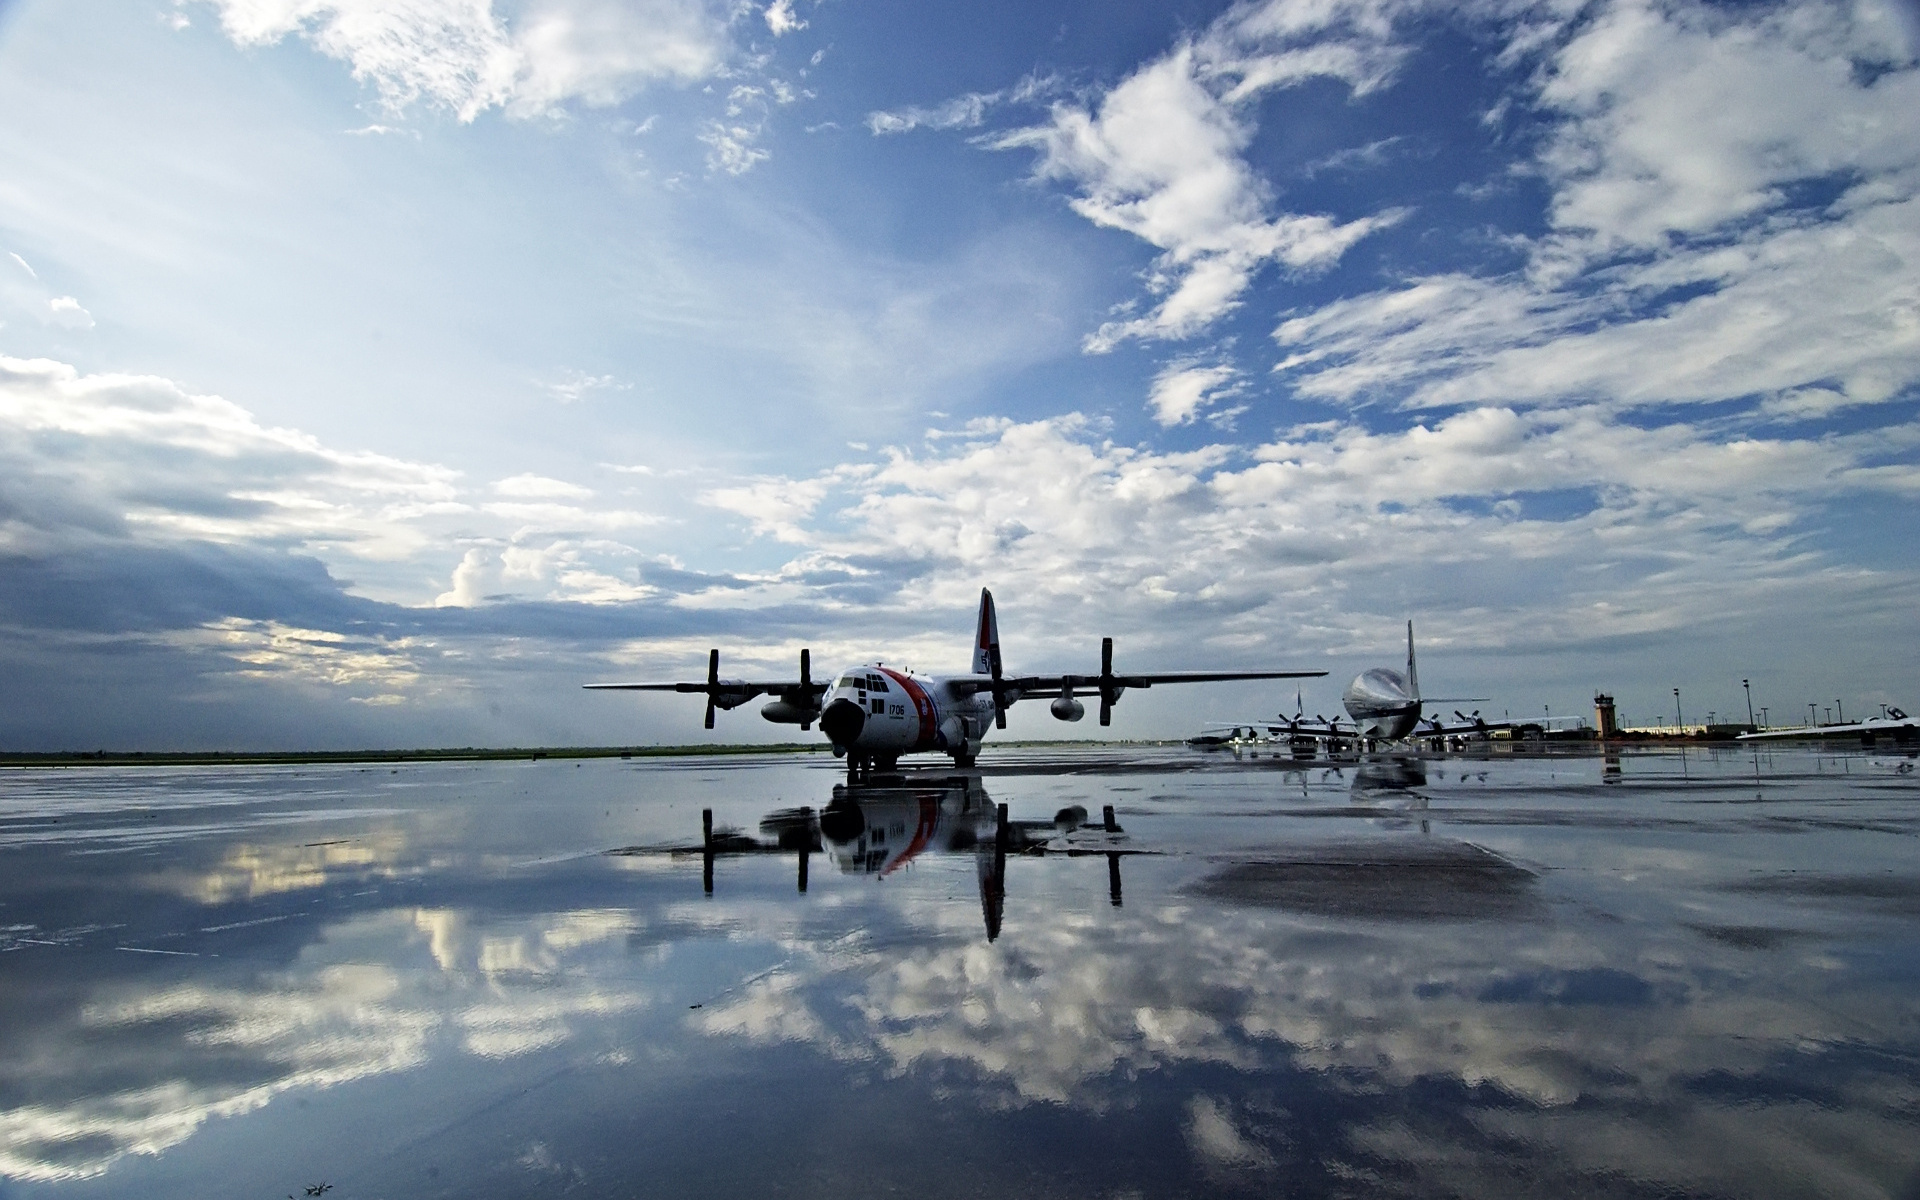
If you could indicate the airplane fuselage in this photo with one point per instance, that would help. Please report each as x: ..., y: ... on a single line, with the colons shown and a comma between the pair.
x: 1383, y: 703
x: 876, y: 712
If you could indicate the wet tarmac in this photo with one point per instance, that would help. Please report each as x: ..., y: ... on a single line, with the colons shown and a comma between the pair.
x: 1662, y: 974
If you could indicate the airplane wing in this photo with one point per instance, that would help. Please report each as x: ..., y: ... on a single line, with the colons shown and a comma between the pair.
x: 1107, y: 685
x: 1091, y: 685
x: 803, y: 692
x: 748, y: 687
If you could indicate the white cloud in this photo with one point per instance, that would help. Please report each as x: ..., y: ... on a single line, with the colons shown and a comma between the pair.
x: 731, y: 147
x: 1183, y: 388
x: 1162, y: 157
x: 1683, y: 268
x: 780, y: 18
x: 143, y: 453
x: 1682, y: 119
x: 463, y: 56
x: 1659, y: 529
x: 68, y: 313
x: 774, y: 507
x: 379, y: 670
x: 961, y: 112
x: 24, y: 294
x: 91, y: 459
x: 539, y: 487
x: 577, y: 385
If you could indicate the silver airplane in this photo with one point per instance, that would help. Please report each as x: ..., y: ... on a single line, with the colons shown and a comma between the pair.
x: 873, y: 713
x: 1385, y: 705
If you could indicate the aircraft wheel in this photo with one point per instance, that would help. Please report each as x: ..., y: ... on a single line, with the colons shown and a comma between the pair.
x: 963, y: 760
x: 885, y: 762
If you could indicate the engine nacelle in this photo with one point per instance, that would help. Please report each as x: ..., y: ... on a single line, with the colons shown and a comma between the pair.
x: 785, y: 712
x: 1066, y: 708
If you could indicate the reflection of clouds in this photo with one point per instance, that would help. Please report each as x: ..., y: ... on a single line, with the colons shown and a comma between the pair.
x: 1215, y: 1139
x: 338, y: 1024
x: 770, y: 1011
x: 150, y: 1067
x: 249, y: 871
x: 1595, y: 1042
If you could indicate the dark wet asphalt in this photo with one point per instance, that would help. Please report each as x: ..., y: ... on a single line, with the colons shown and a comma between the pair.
x: 1660, y: 975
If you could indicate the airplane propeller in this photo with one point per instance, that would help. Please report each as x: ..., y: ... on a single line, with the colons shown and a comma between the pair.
x: 713, y: 682
x: 806, y: 683
x: 1109, y: 689
x: 999, y: 693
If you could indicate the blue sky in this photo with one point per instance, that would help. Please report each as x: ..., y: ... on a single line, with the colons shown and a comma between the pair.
x: 375, y: 373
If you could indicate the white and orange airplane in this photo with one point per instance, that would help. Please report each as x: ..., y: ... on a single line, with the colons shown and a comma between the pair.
x: 873, y: 714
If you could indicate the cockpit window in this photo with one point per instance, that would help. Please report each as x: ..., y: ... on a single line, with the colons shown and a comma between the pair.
x: 876, y: 683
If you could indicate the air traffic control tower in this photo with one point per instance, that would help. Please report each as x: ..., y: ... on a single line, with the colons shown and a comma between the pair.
x: 1603, y: 718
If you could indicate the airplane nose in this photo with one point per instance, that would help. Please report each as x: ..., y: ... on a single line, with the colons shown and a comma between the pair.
x: 842, y: 722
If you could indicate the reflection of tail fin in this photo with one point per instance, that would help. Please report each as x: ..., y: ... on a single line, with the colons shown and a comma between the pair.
x: 986, y: 638
x: 1413, y: 674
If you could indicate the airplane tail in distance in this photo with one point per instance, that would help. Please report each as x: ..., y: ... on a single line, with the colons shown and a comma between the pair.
x: 986, y: 638
x: 1413, y: 675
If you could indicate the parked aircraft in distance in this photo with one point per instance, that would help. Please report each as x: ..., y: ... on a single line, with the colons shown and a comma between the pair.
x: 1384, y: 704
x: 1896, y: 725
x: 874, y: 713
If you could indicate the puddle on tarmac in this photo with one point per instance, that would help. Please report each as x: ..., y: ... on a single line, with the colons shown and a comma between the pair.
x: 1651, y: 974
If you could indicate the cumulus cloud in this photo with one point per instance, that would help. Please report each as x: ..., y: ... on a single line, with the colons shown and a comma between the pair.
x: 1162, y: 157
x: 781, y: 19
x: 1593, y: 527
x: 1733, y: 213
x: 116, y: 453
x: 539, y: 487
x: 1184, y: 388
x: 464, y: 56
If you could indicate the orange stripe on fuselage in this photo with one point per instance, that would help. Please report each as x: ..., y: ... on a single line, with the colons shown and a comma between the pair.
x: 922, y: 834
x: 923, y: 707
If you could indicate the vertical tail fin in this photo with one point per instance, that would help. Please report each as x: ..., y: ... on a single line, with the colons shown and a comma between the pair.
x: 1413, y: 673
x: 986, y: 638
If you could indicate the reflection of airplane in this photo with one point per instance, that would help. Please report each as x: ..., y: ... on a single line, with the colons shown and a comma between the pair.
x: 874, y: 713
x: 877, y: 829
x: 1896, y: 725
x: 1376, y: 776
x: 1385, y: 705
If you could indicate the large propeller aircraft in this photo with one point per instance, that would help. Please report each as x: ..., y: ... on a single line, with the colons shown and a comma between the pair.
x: 1385, y: 705
x: 873, y: 713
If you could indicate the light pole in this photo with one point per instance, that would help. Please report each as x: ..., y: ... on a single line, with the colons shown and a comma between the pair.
x: 1813, y: 717
x: 1748, y: 688
x: 1842, y: 710
x: 1763, y: 718
x: 1679, y: 718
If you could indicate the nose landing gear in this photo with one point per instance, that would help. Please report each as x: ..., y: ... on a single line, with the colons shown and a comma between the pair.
x: 865, y: 766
